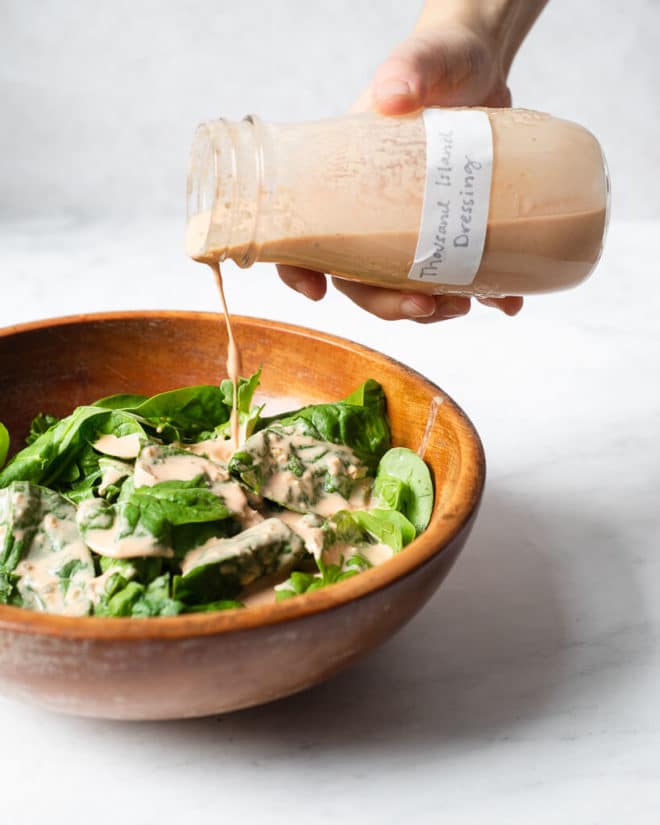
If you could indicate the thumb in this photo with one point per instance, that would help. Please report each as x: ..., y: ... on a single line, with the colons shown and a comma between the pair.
x: 449, y: 66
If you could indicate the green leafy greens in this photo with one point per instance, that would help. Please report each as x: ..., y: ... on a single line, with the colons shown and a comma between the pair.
x: 4, y: 444
x: 137, y: 506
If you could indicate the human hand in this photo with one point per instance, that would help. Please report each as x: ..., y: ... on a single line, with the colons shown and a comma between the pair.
x: 448, y: 63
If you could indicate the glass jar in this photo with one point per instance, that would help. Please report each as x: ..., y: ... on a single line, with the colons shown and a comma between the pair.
x: 348, y: 196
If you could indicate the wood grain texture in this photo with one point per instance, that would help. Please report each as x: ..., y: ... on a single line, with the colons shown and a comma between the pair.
x: 209, y: 663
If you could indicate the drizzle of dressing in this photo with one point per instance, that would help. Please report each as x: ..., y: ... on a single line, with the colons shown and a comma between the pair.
x: 112, y: 472
x: 125, y: 446
x: 155, y: 465
x: 340, y: 552
x: 303, y: 490
x: 115, y: 542
x: 233, y: 354
x: 217, y: 449
x: 436, y: 401
x: 308, y: 527
x: 56, y: 543
x: 244, y: 544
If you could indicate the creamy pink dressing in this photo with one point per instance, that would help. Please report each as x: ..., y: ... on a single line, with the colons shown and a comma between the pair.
x: 56, y: 543
x: 304, y: 525
x: 218, y: 549
x: 233, y: 354
x: 217, y: 449
x: 112, y: 472
x: 155, y: 465
x: 125, y: 446
x: 284, y: 485
x: 110, y: 542
x: 340, y: 552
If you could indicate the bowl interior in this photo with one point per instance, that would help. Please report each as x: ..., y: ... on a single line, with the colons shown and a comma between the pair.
x: 56, y: 365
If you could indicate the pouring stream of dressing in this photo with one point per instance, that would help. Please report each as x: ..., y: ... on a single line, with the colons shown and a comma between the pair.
x: 233, y: 355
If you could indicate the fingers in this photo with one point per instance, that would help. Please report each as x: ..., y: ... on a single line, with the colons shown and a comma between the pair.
x: 311, y: 284
x: 511, y: 305
x: 391, y: 305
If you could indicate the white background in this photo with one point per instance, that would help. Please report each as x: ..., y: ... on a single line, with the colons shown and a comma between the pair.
x: 99, y: 100
x: 527, y: 690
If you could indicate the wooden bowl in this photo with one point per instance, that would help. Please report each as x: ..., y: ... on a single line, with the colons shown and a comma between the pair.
x: 203, y: 664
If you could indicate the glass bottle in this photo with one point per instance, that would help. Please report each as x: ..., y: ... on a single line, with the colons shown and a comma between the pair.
x: 349, y: 196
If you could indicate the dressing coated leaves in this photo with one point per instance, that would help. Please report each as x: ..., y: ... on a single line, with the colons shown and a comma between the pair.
x: 359, y: 422
x: 149, y: 513
x: 51, y: 460
x: 186, y: 414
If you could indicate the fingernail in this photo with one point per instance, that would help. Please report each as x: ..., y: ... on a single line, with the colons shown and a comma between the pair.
x: 509, y: 306
x: 513, y: 305
x: 417, y: 307
x: 303, y: 288
x: 392, y: 88
x: 455, y: 307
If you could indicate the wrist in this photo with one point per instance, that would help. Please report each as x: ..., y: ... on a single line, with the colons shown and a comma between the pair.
x: 502, y: 24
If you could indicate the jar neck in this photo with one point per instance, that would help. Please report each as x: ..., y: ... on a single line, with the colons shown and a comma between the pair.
x: 225, y: 186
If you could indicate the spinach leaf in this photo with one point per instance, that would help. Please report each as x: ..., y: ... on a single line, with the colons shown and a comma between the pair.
x: 189, y: 413
x: 22, y: 509
x: 359, y: 422
x: 222, y: 569
x: 246, y: 389
x: 121, y: 401
x: 82, y: 479
x: 4, y: 443
x: 370, y: 394
x: 404, y: 483
x: 211, y: 607
x: 141, y: 601
x: 41, y: 423
x: 150, y: 513
x: 300, y: 582
x: 355, y: 527
x: 52, y: 457
x: 299, y: 471
x: 248, y: 415
x: 38, y: 527
x: 8, y: 593
x: 185, y: 537
x: 387, y: 526
x: 172, y: 503
x: 143, y: 570
x: 68, y: 571
x: 181, y: 415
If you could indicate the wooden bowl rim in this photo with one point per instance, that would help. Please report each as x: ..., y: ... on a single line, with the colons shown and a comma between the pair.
x: 444, y: 526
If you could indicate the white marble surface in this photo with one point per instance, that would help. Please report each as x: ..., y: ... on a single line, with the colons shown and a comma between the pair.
x: 527, y: 690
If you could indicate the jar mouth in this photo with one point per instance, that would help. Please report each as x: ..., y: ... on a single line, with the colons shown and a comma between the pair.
x: 225, y: 183
x: 201, y: 191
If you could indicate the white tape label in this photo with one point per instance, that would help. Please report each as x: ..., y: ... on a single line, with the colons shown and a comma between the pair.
x: 459, y: 167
